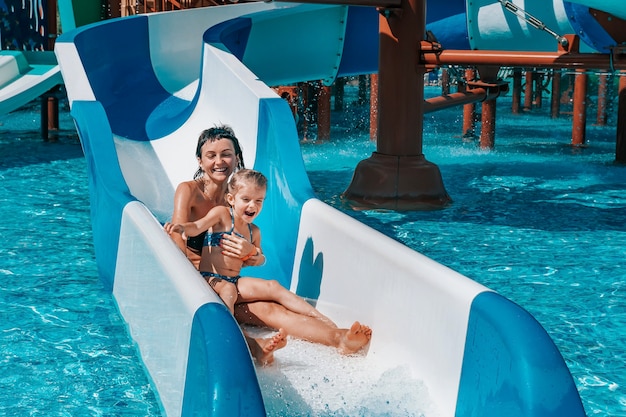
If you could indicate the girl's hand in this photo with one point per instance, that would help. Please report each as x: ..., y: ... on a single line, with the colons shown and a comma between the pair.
x: 173, y: 228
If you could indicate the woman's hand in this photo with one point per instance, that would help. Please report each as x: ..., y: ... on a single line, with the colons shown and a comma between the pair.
x: 235, y: 246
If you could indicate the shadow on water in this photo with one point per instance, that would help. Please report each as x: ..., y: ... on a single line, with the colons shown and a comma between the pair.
x: 21, y: 142
x: 30, y: 149
x: 517, y: 194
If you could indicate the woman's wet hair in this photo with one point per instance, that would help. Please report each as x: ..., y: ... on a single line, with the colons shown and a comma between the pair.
x: 246, y: 176
x: 217, y: 133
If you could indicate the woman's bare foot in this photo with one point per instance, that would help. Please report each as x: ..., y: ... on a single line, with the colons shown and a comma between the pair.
x: 263, y: 349
x: 355, y: 338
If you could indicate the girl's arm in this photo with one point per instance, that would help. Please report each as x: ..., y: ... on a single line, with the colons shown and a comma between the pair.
x: 212, y: 218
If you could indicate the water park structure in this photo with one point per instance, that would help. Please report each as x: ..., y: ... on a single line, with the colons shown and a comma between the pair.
x: 138, y: 109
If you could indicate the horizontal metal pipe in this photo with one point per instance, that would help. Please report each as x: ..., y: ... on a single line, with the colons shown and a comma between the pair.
x: 393, y: 4
x: 457, y: 99
x: 524, y: 59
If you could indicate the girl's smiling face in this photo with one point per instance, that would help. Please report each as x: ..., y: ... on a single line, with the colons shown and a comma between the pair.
x: 247, y: 201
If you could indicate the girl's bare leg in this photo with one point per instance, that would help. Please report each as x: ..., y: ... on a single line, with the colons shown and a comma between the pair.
x: 256, y: 289
x: 263, y: 349
x: 268, y: 314
x: 227, y: 292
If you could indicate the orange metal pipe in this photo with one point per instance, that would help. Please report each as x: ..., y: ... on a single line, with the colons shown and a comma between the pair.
x: 461, y: 98
x: 383, y: 4
x: 524, y: 59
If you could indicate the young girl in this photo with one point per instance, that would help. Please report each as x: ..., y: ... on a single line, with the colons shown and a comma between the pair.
x: 246, y: 194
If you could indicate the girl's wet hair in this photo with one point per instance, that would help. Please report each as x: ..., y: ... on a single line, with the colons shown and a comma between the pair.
x: 217, y: 133
x: 246, y: 176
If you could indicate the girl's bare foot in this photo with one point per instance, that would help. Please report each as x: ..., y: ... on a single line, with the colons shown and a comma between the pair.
x: 355, y: 338
x: 263, y: 349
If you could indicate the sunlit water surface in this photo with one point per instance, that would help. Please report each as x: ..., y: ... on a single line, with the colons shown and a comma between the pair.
x: 534, y: 219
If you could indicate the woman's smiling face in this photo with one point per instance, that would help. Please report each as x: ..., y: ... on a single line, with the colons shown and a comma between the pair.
x: 218, y: 159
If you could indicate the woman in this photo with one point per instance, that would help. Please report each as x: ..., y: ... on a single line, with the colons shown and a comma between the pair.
x: 219, y: 155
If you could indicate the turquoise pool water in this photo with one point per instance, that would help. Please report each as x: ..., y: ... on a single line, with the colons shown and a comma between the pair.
x: 64, y: 347
x: 540, y: 222
x: 536, y: 220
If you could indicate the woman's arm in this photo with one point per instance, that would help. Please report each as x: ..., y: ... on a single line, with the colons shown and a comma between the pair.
x: 182, y: 211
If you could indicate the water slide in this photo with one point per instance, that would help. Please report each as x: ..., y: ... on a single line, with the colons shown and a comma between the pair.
x: 26, y: 75
x: 140, y: 100
x: 492, y: 27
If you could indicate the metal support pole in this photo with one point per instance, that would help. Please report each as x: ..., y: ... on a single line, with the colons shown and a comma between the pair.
x: 579, y: 117
x: 44, y: 117
x: 488, y: 124
x: 323, y: 113
x: 602, y: 98
x: 528, y: 91
x: 307, y: 113
x: 469, y: 110
x: 620, y: 146
x: 538, y: 89
x: 49, y: 114
x: 51, y: 20
x: 516, y: 94
x: 397, y: 176
x: 339, y: 87
x: 555, y: 98
x: 362, y: 89
x: 445, y: 81
x: 373, y: 107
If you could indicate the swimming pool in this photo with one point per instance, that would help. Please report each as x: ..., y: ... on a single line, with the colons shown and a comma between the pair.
x: 536, y: 220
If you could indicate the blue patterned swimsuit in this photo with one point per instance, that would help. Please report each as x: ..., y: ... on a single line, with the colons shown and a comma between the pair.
x: 214, y: 239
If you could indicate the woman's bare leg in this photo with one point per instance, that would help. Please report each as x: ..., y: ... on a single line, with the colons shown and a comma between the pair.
x: 263, y: 313
x: 256, y: 289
